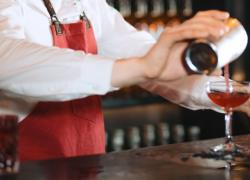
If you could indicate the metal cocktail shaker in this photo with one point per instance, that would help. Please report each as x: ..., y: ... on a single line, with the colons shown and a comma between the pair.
x: 203, y: 56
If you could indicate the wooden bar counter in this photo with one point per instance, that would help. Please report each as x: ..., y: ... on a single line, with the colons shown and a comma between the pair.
x: 154, y: 163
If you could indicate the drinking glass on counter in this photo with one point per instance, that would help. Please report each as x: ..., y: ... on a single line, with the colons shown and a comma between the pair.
x: 228, y: 95
x: 9, y: 144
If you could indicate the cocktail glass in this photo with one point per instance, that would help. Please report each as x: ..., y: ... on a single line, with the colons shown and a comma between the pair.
x: 228, y: 95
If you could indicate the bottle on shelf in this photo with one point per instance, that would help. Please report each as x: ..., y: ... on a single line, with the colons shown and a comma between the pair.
x: 162, y: 133
x: 178, y: 133
x: 117, y: 140
x: 239, y: 73
x: 187, y: 9
x: 173, y: 18
x: 148, y: 135
x: 156, y: 18
x: 111, y: 2
x: 140, y: 14
x: 125, y: 8
x: 132, y: 137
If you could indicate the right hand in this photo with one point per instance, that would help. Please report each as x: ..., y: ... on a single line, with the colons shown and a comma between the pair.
x: 167, y: 53
x: 164, y: 60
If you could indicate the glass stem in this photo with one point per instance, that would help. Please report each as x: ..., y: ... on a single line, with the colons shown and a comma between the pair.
x: 228, y: 128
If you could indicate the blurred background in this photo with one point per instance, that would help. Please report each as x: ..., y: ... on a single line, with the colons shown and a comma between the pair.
x: 135, y: 118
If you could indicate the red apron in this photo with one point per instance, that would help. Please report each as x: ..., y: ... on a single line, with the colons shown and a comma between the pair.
x: 65, y: 129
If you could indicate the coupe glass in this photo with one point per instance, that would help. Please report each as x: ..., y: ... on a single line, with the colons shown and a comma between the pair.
x: 228, y: 95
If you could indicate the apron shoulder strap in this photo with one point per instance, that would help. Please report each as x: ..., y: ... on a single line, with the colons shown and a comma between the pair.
x: 53, y: 16
x: 85, y: 18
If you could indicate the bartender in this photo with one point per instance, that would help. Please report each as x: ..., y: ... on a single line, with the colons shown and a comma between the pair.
x: 58, y: 56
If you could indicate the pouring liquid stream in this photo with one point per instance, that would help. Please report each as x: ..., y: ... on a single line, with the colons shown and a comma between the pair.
x: 226, y: 76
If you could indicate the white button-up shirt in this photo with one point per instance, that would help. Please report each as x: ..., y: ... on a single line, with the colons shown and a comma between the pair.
x: 32, y: 70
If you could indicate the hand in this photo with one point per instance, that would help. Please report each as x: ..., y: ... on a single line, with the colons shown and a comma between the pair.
x: 165, y: 58
x: 245, y: 108
x: 171, y: 70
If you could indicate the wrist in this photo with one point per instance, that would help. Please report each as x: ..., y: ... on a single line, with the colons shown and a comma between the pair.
x: 127, y: 72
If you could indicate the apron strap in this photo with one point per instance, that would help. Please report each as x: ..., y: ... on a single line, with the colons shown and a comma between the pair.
x: 84, y: 18
x: 53, y: 16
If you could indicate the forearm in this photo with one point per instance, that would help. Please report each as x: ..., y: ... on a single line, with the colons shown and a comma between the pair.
x: 127, y: 72
x: 188, y: 92
x: 29, y: 70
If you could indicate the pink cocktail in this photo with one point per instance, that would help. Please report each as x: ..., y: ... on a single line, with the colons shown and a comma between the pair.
x: 228, y: 95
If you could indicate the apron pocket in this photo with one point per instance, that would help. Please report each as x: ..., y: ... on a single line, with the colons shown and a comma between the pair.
x: 87, y: 108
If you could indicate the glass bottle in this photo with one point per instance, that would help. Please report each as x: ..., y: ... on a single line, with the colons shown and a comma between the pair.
x: 141, y: 14
x: 148, y: 135
x: 124, y: 8
x: 187, y: 9
x: 156, y: 18
x: 172, y: 13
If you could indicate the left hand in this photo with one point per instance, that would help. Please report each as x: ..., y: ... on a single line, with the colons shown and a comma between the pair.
x: 245, y: 108
x: 172, y: 68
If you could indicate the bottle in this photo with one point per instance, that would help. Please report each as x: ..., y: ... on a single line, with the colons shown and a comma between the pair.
x: 178, y: 133
x: 187, y: 9
x: 162, y: 133
x: 117, y: 141
x: 193, y: 133
x: 148, y: 135
x: 173, y: 18
x: 125, y: 9
x: 156, y: 18
x: 132, y: 137
x: 203, y: 56
x: 9, y: 162
x: 140, y: 14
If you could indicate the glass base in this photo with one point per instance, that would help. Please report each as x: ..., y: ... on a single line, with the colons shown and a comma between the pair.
x: 226, y: 152
x: 236, y: 157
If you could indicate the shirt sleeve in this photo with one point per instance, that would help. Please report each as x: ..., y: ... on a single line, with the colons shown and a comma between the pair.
x: 189, y: 92
x: 34, y: 72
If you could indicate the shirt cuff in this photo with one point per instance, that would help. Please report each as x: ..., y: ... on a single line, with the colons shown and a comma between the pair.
x: 98, y: 74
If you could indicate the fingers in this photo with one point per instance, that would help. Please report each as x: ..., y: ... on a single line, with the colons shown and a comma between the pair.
x: 215, y: 27
x: 220, y: 15
x: 244, y: 108
x: 206, y: 24
x: 209, y: 22
x: 182, y: 33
